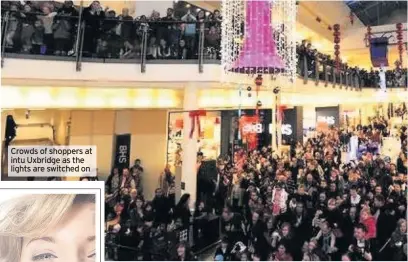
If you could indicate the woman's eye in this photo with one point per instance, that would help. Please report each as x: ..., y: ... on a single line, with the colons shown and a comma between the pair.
x: 44, y: 257
x: 92, y: 255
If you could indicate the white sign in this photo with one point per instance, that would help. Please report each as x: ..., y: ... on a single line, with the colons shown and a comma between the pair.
x: 252, y: 128
x: 326, y: 119
x: 286, y: 129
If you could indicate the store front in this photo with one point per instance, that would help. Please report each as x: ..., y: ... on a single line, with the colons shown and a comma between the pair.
x: 222, y: 130
x: 254, y: 131
x: 209, y: 137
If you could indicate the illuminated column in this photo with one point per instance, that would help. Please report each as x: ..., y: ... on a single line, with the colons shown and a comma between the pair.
x: 274, y: 124
x: 190, y: 146
x: 279, y: 122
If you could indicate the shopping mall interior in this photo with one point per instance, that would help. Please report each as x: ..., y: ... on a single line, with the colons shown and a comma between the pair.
x: 190, y: 87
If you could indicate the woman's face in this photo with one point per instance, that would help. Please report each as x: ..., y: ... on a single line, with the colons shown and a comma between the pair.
x: 27, y: 8
x: 364, y: 215
x: 285, y: 231
x: 331, y: 205
x: 312, y: 245
x: 139, y: 203
x: 269, y: 224
x: 46, y: 10
x: 281, y: 249
x: 181, y: 250
x: 95, y: 5
x: 133, y: 194
x: 403, y: 227
x: 73, y: 240
x: 322, y: 197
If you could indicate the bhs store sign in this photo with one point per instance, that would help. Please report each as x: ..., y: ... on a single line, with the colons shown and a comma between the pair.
x: 286, y: 129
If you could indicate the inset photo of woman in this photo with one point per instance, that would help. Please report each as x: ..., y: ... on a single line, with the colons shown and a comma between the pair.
x: 52, y: 225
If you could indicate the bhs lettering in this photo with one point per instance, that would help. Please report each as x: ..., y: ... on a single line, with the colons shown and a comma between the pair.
x: 122, y: 154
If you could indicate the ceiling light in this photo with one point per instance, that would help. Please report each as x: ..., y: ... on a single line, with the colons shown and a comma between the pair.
x: 198, y: 9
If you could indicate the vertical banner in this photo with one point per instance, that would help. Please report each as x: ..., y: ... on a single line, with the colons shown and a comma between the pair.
x: 122, y: 151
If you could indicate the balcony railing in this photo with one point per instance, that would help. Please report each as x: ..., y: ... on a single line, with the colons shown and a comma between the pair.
x: 90, y: 38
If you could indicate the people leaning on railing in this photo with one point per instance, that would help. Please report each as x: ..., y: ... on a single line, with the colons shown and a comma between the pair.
x: 49, y: 28
x: 358, y: 77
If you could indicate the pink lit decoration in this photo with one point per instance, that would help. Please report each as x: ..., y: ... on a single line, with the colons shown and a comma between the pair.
x: 259, y: 53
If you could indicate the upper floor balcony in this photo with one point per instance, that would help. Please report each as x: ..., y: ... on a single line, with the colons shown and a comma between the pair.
x: 87, y: 45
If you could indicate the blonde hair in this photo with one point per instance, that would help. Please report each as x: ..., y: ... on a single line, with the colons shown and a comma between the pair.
x: 32, y: 216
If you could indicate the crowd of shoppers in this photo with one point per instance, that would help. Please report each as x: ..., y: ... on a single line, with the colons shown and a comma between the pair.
x: 48, y: 27
x: 312, y: 205
x: 308, y: 204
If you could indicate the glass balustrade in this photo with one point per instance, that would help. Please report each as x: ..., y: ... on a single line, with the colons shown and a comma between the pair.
x: 84, y: 35
x: 27, y: 33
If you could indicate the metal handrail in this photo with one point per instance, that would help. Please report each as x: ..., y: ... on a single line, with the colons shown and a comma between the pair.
x: 144, y: 48
x: 349, y: 79
x: 201, y: 49
x: 4, y: 34
x: 79, y: 40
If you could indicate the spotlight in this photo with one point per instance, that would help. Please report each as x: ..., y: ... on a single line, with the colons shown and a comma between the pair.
x: 188, y: 5
x: 249, y: 88
x: 276, y: 90
x: 249, y: 94
x: 198, y: 10
x: 259, y: 103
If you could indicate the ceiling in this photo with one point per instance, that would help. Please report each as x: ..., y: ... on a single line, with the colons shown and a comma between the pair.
x: 375, y: 13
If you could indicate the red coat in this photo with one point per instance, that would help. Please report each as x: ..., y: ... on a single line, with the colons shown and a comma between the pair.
x: 371, y: 226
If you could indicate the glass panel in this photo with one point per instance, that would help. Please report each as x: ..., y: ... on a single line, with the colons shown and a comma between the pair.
x: 176, y: 39
x: 212, y: 39
x: 108, y: 35
x: 40, y: 28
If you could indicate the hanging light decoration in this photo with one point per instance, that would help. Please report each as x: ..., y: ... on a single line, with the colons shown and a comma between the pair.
x: 368, y: 35
x: 258, y: 37
x: 400, y: 44
x: 336, y: 35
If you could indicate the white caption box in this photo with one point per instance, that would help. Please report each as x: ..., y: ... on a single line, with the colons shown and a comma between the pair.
x: 55, y: 161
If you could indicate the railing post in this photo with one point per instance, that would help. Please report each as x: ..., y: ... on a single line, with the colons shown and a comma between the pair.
x: 333, y: 76
x: 201, y: 48
x: 144, y: 48
x: 326, y: 75
x: 341, y: 78
x: 316, y: 70
x: 79, y: 39
x: 3, y: 44
x: 305, y: 71
x: 347, y: 78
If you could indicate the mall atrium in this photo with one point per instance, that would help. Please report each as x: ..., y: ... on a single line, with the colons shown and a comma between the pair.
x: 164, y: 85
